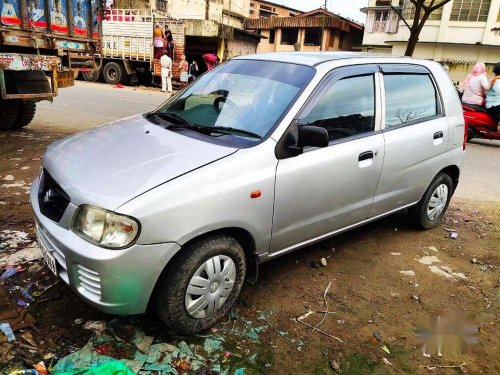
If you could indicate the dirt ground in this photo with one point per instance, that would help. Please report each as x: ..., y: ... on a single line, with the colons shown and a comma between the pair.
x: 374, y: 308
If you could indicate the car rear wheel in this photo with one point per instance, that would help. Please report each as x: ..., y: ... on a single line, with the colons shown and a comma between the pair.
x: 430, y: 210
x: 201, y: 285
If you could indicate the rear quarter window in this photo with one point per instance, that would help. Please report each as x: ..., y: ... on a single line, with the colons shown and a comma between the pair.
x: 409, y: 98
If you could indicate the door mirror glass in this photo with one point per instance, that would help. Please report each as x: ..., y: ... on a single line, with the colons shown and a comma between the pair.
x: 312, y: 136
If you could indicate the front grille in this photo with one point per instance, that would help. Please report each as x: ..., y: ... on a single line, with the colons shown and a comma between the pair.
x: 51, y: 198
x: 90, y: 281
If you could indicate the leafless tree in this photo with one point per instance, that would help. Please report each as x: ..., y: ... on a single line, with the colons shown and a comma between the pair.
x: 409, y: 115
x: 423, y: 10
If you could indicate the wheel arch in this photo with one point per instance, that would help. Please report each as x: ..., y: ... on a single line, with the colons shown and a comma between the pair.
x: 454, y: 172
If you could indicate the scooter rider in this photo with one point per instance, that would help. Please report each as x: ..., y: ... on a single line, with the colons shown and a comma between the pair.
x: 493, y: 94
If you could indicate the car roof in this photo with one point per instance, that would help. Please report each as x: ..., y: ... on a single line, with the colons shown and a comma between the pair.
x: 316, y: 58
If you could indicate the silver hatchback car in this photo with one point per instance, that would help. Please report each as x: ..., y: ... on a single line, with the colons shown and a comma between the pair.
x: 262, y: 156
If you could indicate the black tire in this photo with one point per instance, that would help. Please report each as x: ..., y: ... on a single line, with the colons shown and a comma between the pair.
x: 26, y: 114
x: 419, y: 212
x: 172, y: 287
x: 114, y: 73
x: 471, y: 134
x: 9, y: 110
x: 93, y: 75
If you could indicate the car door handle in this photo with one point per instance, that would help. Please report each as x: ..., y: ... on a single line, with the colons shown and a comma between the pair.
x: 366, y: 155
x: 438, y: 135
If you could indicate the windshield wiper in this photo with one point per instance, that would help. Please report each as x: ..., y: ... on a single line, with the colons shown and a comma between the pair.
x: 227, y: 129
x: 214, y: 129
x: 171, y: 116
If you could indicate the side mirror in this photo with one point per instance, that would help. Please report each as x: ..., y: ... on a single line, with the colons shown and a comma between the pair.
x: 310, y: 136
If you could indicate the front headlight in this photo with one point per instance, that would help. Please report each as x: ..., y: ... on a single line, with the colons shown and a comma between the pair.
x: 105, y: 228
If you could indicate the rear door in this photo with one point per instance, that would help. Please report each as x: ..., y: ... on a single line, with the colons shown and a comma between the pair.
x: 415, y: 133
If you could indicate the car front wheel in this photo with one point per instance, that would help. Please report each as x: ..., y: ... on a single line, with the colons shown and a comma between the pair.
x: 201, y: 284
x: 430, y: 210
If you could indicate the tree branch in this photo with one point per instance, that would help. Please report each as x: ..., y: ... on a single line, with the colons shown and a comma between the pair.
x: 400, y: 14
x: 439, y: 5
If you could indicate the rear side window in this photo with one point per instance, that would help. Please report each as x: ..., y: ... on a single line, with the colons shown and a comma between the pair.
x: 345, y: 109
x: 409, y: 98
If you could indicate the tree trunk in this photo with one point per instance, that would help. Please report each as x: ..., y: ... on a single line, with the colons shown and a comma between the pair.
x: 412, y: 42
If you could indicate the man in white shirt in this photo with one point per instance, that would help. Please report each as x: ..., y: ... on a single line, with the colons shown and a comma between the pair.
x: 166, y: 72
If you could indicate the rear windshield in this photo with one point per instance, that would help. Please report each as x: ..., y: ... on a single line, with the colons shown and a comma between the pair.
x: 246, y: 95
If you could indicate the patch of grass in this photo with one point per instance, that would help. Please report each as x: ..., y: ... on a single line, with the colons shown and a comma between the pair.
x: 356, y: 364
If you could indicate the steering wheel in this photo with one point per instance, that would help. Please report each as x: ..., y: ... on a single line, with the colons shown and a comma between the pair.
x: 225, y: 100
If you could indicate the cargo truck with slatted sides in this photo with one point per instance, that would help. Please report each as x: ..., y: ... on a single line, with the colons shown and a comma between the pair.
x: 127, y: 45
x: 41, y: 48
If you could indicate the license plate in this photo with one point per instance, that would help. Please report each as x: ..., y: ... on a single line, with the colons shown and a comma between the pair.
x: 48, y: 257
x: 65, y: 78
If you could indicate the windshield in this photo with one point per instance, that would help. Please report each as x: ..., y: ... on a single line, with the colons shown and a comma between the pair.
x: 242, y: 98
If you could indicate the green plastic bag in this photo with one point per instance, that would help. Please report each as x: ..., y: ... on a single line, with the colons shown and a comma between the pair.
x: 108, y: 368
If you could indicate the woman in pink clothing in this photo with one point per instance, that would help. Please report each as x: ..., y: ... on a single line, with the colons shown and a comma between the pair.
x: 475, y: 86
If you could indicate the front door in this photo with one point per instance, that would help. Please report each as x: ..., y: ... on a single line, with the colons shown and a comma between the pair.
x: 327, y: 189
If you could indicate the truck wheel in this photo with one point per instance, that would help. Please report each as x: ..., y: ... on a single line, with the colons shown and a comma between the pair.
x: 93, y: 75
x: 8, y: 113
x: 430, y: 210
x: 114, y: 73
x: 25, y: 114
x: 200, y: 286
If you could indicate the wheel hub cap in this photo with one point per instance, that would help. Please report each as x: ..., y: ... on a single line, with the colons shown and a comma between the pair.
x: 210, y: 286
x: 437, y: 203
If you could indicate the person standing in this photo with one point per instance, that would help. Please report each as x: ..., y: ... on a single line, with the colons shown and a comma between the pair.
x: 493, y: 94
x: 157, y: 42
x: 475, y: 86
x: 184, y: 67
x: 168, y: 42
x: 210, y: 60
x: 166, y: 72
x: 193, y: 71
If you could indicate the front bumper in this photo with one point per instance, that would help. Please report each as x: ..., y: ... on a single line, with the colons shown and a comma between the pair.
x: 114, y: 281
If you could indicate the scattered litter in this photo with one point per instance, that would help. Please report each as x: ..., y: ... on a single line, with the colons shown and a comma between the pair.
x: 323, y: 262
x: 334, y: 365
x: 119, y: 86
x: 78, y: 321
x: 35, y: 268
x: 385, y: 349
x: 9, y: 272
x: 415, y: 297
x: 454, y: 235
x: 25, y: 168
x: 28, y: 254
x: 386, y: 361
x: 7, y: 330
x: 429, y: 259
x: 97, y: 326
x: 41, y: 369
x: 473, y: 261
x: 484, y: 267
x: 9, y: 177
x: 408, y: 273
x: 378, y: 336
x: 433, y: 248
x: 28, y: 337
x: 461, y: 367
x: 446, y: 272
x: 20, y: 302
x: 449, y: 230
x: 396, y: 254
x: 26, y: 292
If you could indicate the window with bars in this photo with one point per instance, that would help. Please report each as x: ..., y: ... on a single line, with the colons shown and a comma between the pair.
x: 409, y: 11
x: 470, y: 10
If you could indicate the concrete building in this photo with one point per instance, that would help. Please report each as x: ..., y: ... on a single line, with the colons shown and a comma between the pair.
x: 318, y: 30
x: 267, y: 9
x: 458, y: 35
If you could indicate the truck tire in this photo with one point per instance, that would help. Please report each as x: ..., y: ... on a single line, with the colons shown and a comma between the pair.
x: 114, y: 73
x: 25, y: 114
x: 9, y: 110
x: 93, y: 75
x: 200, y: 286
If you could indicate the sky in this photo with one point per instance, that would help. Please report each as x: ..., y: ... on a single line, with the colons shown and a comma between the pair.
x: 346, y: 8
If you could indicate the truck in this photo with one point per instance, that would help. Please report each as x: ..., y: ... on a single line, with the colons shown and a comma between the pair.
x: 127, y: 45
x: 41, y: 48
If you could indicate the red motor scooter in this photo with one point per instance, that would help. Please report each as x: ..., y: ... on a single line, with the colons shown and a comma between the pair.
x: 480, y: 123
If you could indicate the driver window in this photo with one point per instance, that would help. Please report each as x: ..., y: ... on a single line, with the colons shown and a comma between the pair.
x: 345, y: 109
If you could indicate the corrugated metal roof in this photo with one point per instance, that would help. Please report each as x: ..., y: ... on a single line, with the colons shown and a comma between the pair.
x: 299, y: 22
